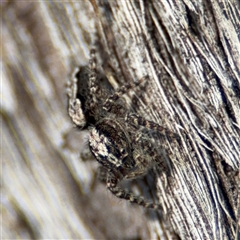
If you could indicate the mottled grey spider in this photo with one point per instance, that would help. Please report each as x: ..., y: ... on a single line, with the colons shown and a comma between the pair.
x: 116, y: 137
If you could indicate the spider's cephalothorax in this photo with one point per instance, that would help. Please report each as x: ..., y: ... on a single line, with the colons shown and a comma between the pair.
x: 117, y: 139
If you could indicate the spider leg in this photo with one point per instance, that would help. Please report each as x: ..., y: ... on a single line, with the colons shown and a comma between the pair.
x: 95, y: 90
x: 136, y: 121
x: 112, y: 182
x: 120, y: 92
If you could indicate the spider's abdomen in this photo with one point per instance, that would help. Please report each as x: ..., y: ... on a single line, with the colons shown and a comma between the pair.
x: 110, y: 144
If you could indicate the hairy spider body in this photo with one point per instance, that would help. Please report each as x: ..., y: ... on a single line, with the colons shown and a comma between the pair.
x: 79, y: 102
x: 116, y: 137
x: 109, y: 143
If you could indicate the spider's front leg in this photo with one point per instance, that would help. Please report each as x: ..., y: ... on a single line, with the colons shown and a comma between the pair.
x: 112, y: 182
x: 137, y: 121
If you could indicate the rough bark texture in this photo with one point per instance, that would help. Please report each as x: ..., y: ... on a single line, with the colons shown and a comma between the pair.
x: 189, y: 49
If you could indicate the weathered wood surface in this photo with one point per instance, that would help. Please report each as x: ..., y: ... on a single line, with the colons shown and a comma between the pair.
x: 191, y: 53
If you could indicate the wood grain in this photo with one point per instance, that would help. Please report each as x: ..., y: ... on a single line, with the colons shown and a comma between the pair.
x: 190, y: 51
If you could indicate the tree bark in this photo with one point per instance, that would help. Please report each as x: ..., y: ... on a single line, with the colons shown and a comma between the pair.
x: 190, y: 51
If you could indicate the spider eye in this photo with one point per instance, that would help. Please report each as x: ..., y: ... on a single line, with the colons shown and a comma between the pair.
x: 123, y: 154
x: 111, y: 158
x: 123, y: 151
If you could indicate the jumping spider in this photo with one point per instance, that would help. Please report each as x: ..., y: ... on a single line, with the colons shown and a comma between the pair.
x: 116, y: 137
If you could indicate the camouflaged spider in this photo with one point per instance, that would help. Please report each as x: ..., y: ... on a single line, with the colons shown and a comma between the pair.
x: 116, y: 139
